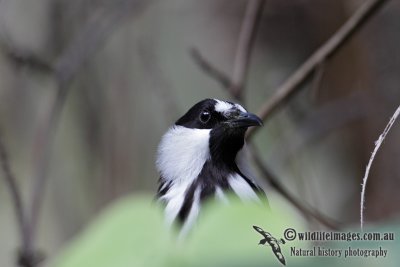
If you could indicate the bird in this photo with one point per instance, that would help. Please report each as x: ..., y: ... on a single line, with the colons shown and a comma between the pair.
x: 273, y: 242
x: 202, y: 157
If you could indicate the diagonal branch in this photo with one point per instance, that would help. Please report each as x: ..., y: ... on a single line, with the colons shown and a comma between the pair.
x: 25, y: 58
x: 98, y: 27
x: 11, y: 182
x: 88, y: 40
x: 226, y: 83
x: 209, y: 69
x: 247, y: 34
x: 352, y: 25
x: 317, y: 79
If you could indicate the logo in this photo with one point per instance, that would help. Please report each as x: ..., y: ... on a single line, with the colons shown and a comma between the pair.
x: 272, y: 242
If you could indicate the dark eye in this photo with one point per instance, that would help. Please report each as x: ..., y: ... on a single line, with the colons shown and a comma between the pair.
x: 205, y: 116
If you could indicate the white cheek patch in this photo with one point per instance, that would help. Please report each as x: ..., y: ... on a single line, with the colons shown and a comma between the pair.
x: 182, y: 153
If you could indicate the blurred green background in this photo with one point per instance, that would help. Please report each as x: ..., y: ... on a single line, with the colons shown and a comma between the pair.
x: 139, y: 78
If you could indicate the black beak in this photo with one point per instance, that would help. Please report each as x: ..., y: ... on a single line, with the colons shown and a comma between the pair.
x: 245, y: 119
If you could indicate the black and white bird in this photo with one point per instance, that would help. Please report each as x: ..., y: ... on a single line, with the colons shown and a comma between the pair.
x: 202, y: 156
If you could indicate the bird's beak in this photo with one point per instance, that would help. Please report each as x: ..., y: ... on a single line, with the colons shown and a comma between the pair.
x: 244, y: 119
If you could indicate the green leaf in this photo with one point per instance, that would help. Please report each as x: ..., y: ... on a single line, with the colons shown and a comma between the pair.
x: 225, y: 235
x: 129, y: 233
x: 132, y: 233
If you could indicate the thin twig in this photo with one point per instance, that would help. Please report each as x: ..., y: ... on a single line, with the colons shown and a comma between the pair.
x: 317, y: 79
x: 84, y: 45
x: 224, y: 80
x: 354, y: 23
x: 160, y: 85
x: 98, y: 27
x: 241, y: 65
x: 378, y: 144
x: 22, y: 57
x: 322, y: 121
x: 26, y: 59
x: 236, y: 84
x: 11, y: 182
x: 209, y: 69
x: 252, y: 17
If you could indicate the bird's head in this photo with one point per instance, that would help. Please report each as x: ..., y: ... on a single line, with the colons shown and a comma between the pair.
x: 215, y: 114
x: 210, y: 129
x: 227, y: 123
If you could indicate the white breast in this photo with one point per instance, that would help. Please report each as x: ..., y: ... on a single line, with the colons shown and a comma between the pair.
x: 181, y: 156
x: 182, y: 153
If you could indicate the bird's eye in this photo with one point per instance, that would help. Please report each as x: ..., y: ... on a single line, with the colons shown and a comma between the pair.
x: 205, y: 116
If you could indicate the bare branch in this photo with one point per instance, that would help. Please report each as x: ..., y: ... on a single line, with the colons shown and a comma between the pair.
x: 160, y: 85
x: 322, y: 121
x: 254, y: 10
x: 210, y: 70
x: 26, y: 59
x: 97, y: 29
x: 226, y: 83
x: 22, y: 57
x: 16, y: 198
x: 354, y: 23
x: 235, y: 85
x: 378, y: 144
x: 317, y: 79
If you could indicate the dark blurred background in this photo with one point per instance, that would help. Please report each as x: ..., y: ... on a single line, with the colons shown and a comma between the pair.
x: 138, y: 77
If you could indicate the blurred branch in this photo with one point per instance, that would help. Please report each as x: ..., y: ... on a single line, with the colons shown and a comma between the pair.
x: 209, y: 69
x: 97, y: 29
x: 254, y: 10
x: 225, y: 81
x: 89, y: 39
x: 22, y: 57
x: 317, y: 79
x: 154, y: 76
x: 354, y: 23
x: 235, y: 85
x: 26, y: 59
x: 333, y: 115
x: 93, y: 34
x: 273, y: 181
x: 25, y: 254
x: 11, y: 182
x: 378, y: 144
x: 241, y: 66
